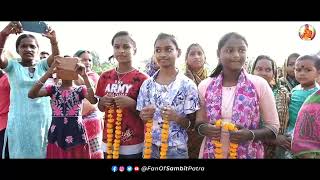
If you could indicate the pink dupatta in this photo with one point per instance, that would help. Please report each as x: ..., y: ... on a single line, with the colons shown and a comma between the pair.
x: 245, y: 112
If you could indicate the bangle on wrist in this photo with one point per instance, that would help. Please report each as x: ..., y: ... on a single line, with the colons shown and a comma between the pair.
x: 253, y: 135
x: 40, y: 83
x: 188, y: 125
x: 198, y: 129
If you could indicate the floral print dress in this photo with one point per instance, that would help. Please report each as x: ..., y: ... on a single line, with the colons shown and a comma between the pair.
x: 67, y: 136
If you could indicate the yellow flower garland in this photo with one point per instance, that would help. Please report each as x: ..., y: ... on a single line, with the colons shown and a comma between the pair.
x: 218, y: 145
x: 148, y: 140
x: 110, y: 122
x: 113, y: 139
x: 164, y: 138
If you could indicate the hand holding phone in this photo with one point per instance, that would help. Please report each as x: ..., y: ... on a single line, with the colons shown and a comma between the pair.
x: 34, y: 26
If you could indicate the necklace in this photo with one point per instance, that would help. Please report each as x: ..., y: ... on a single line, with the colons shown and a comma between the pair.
x: 119, y: 80
x: 31, y: 71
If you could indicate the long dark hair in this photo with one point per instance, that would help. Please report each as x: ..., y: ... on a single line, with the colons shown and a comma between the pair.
x: 221, y: 43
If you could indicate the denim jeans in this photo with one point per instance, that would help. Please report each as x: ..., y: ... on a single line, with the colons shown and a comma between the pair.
x: 174, y: 152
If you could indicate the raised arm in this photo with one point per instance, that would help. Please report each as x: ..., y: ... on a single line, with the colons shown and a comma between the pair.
x: 13, y: 27
x: 37, y: 90
x: 81, y: 69
x: 51, y: 34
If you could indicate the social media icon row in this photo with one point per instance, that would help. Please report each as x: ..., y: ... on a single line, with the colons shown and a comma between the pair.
x: 122, y: 168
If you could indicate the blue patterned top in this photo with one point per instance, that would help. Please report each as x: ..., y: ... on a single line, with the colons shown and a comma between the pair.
x: 181, y: 94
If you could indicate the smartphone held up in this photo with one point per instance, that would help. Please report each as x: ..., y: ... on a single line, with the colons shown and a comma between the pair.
x: 35, y: 26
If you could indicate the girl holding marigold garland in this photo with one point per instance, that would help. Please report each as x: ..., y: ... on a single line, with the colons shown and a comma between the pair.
x: 231, y: 94
x: 119, y: 88
x: 168, y: 99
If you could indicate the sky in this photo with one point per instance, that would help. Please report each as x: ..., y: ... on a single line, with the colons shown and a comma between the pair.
x: 276, y: 39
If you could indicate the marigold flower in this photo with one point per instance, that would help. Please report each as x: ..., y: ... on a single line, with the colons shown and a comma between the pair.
x: 218, y: 150
x: 163, y: 153
x: 109, y: 151
x: 165, y: 145
x: 233, y: 154
x: 118, y: 123
x: 147, y: 151
x: 231, y: 127
x: 215, y: 141
x: 233, y: 145
x: 225, y: 127
x: 233, y: 150
x: 113, y: 153
x: 149, y: 125
x: 148, y: 144
x: 109, y: 135
x: 118, y: 136
x: 218, y: 145
x: 165, y: 126
x: 148, y: 140
x: 148, y: 136
x: 218, y: 123
x: 218, y: 156
x: 118, y: 132
x: 109, y: 126
x: 117, y: 141
x: 109, y: 131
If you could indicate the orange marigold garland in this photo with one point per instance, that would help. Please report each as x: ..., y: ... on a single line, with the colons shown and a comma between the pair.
x: 113, y: 134
x: 110, y: 122
x: 233, y: 148
x: 164, y: 138
x: 148, y: 140
x: 218, y: 145
x: 116, y: 143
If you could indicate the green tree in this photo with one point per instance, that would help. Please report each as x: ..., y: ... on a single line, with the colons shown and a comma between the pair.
x: 100, y: 65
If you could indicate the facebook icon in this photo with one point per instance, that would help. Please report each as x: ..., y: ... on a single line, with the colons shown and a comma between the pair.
x: 114, y: 168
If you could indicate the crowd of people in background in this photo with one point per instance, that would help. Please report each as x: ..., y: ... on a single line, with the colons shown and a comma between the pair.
x: 240, y: 110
